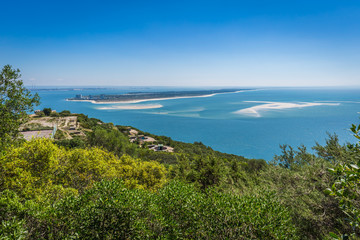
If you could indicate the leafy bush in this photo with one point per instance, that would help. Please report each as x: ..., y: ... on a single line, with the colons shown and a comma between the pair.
x: 75, y: 142
x: 109, y: 138
x: 186, y: 213
x: 38, y: 164
x: 110, y: 210
x: 54, y: 114
x: 347, y: 185
x: 59, y: 135
x: 65, y: 113
x: 47, y: 111
x: 87, y: 122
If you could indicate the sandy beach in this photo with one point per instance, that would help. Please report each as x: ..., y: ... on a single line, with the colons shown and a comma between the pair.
x: 131, y: 107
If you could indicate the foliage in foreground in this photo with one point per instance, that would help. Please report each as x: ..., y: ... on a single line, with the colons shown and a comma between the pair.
x: 38, y: 165
x: 346, y: 188
x: 110, y: 210
x: 41, y: 174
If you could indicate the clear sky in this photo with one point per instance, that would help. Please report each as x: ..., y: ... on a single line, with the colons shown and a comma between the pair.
x: 183, y: 43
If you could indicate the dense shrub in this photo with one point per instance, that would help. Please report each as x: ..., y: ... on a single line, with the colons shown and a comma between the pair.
x: 47, y: 111
x: 346, y: 188
x: 64, y: 113
x: 110, y: 210
x: 187, y: 213
x: 38, y: 164
x: 108, y: 137
x: 75, y: 142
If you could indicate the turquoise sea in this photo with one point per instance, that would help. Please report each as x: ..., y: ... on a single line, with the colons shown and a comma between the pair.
x: 250, y: 123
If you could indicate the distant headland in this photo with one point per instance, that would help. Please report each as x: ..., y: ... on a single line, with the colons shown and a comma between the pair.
x: 147, y: 96
x: 66, y: 89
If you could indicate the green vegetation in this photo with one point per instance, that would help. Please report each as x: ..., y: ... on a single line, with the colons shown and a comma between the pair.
x: 37, y: 165
x: 346, y: 188
x: 99, y: 185
x: 110, y: 210
x: 15, y: 101
x: 60, y: 135
x: 65, y: 113
x: 36, y: 127
x: 47, y: 111
x: 60, y: 189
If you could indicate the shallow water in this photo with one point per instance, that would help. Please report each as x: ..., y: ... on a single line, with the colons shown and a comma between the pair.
x: 251, y: 123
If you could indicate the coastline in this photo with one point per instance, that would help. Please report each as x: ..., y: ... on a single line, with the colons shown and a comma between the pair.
x: 131, y: 107
x: 151, y: 99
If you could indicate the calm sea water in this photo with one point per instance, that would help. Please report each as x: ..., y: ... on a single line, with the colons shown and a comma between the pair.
x: 252, y: 123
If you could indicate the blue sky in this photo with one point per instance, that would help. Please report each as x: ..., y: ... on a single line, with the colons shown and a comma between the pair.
x: 183, y: 43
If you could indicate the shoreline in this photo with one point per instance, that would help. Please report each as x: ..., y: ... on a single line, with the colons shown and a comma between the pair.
x: 150, y: 99
x: 131, y: 107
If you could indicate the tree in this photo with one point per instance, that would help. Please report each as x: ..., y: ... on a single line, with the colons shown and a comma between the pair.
x: 347, y: 186
x: 333, y: 151
x: 47, y: 111
x: 287, y: 159
x: 15, y: 102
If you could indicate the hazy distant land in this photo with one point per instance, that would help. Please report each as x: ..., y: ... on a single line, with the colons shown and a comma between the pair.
x: 67, y: 89
x: 144, y: 96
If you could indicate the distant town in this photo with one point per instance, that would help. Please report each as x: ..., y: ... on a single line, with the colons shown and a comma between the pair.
x: 134, y: 96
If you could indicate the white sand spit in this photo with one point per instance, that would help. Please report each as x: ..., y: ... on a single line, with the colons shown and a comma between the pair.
x: 131, y: 107
x: 266, y: 106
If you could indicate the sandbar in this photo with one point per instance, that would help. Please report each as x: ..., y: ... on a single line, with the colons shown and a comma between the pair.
x: 255, y: 110
x: 131, y: 107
